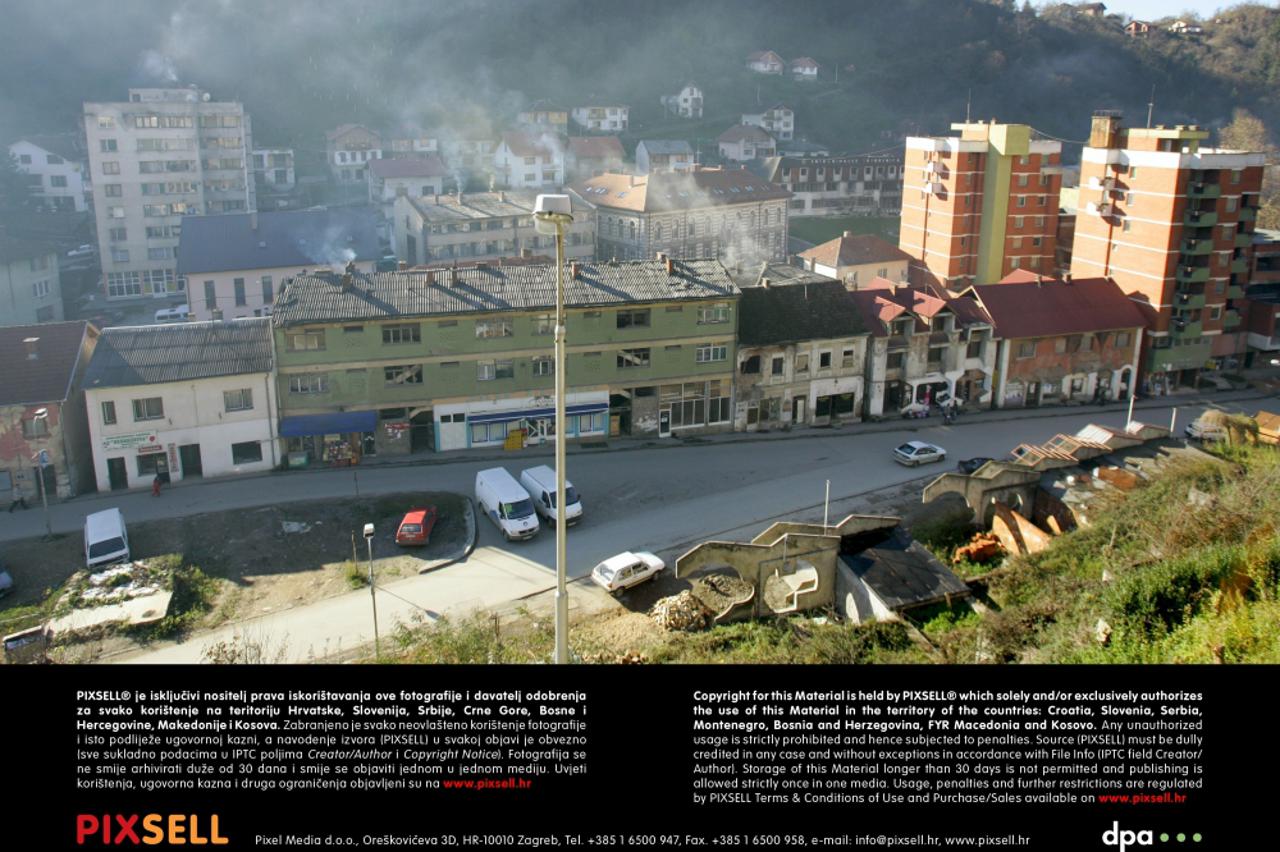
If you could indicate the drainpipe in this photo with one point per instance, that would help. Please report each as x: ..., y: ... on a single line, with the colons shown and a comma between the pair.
x: 1002, y: 373
x: 271, y: 420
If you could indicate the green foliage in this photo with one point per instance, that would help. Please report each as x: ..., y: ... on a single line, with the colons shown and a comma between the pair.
x: 474, y: 639
x: 193, y: 596
x: 944, y: 532
x: 791, y: 640
x: 357, y: 575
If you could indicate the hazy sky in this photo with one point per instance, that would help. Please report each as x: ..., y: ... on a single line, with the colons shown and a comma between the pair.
x: 1148, y: 9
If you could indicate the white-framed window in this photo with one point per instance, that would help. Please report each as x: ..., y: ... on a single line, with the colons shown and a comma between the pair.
x: 544, y: 366
x: 240, y: 399
x: 40, y: 289
x: 708, y: 352
x: 402, y: 333
x: 108, y: 413
x: 151, y: 408
x: 713, y: 314
x: 485, y: 371
x: 119, y: 255
x: 544, y: 324
x: 309, y: 383
x: 494, y: 328
x: 304, y: 341
x: 246, y: 452
x: 407, y: 374
x: 634, y: 319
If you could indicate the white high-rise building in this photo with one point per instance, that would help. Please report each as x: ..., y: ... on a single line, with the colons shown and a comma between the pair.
x: 162, y: 155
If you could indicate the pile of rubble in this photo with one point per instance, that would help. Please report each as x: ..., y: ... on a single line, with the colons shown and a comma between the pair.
x: 982, y: 548
x: 634, y: 658
x: 721, y: 592
x: 681, y: 612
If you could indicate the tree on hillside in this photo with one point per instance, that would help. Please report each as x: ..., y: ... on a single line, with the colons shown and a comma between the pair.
x: 1247, y: 133
x: 15, y: 186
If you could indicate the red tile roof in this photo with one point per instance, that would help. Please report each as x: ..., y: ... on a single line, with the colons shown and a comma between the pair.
x: 764, y: 55
x: 596, y: 147
x: 1022, y: 308
x: 882, y: 301
x: 854, y: 250
x: 46, y: 378
x: 692, y: 190
x: 525, y: 145
x: 404, y: 167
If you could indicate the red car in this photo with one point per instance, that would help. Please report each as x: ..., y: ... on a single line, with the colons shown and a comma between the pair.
x: 416, y: 526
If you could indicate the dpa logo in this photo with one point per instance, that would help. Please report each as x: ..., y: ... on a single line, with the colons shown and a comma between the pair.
x: 1124, y: 838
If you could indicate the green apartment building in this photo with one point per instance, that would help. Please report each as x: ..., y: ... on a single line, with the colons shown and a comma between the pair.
x: 448, y: 359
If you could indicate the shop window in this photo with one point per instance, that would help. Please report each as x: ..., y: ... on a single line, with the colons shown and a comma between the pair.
x: 246, y: 452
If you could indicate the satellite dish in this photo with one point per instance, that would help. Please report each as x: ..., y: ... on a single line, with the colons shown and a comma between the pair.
x: 205, y: 97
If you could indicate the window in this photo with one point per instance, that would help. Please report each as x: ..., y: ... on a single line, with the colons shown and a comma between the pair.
x: 1019, y: 221
x: 974, y: 349
x: 268, y: 290
x: 936, y: 354
x: 118, y: 235
x: 777, y: 366
x: 246, y: 452
x: 1060, y: 345
x: 1215, y: 312
x: 713, y: 314
x: 895, y: 361
x: 751, y: 365
x: 110, y: 167
x: 708, y: 352
x: 115, y: 212
x: 493, y: 328
x: 544, y: 366
x: 107, y: 146
x: 824, y: 360
x: 846, y: 359
x: 636, y: 319
x: 632, y: 358
x: 1035, y: 241
x: 353, y: 329
x: 150, y: 464
x: 162, y: 253
x: 1022, y: 201
x: 1128, y: 225
x: 238, y: 283
x: 238, y: 400
x: 544, y: 324
x: 1017, y: 242
x: 802, y: 363
x: 210, y: 296
x: 1122, y: 338
x: 106, y: 122
x: 403, y: 333
x: 485, y: 371
x: 409, y: 374
x: 40, y: 289
x: 119, y: 255
x: 35, y: 427
x: 304, y: 341
x: 310, y: 383
x: 1026, y: 348
x: 1022, y: 180
x: 151, y: 408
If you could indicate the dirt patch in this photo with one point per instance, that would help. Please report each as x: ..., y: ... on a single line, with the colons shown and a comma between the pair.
x: 261, y: 566
x: 721, y: 592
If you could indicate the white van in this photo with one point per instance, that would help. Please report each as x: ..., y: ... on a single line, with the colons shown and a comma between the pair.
x: 179, y: 313
x: 540, y: 482
x: 105, y: 538
x: 506, y: 503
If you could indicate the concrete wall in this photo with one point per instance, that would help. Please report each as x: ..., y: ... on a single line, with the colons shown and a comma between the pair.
x: 855, y: 600
x: 31, y: 291
x: 225, y: 290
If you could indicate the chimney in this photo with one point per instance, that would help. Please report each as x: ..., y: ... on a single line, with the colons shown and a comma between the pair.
x: 671, y: 265
x: 453, y: 275
x: 1039, y: 280
x: 502, y: 196
x: 848, y: 235
x: 764, y: 282
x: 1066, y: 278
x: 33, y: 348
x: 348, y: 283
x: 402, y: 265
x: 435, y: 198
x: 459, y: 196
x: 662, y: 255
x: 524, y: 252
x: 574, y: 269
x: 253, y: 220
x: 351, y: 267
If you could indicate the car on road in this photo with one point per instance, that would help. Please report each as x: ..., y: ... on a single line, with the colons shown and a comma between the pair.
x: 85, y: 250
x: 6, y: 582
x: 177, y: 313
x: 415, y: 527
x: 971, y: 465
x: 506, y: 503
x: 626, y: 570
x: 914, y: 453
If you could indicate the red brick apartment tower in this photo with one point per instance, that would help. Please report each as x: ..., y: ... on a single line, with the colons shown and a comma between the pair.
x: 979, y: 205
x: 1171, y: 222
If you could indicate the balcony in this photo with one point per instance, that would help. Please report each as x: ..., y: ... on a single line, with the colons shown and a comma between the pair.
x: 1235, y: 291
x: 1248, y: 214
x: 1202, y: 189
x: 1096, y: 209
x: 1231, y: 319
x: 1197, y: 246
x: 1183, y: 328
x: 1189, y: 301
x: 1106, y: 184
x: 1200, y: 219
x: 1193, y: 274
x: 1239, y: 266
x: 1243, y: 240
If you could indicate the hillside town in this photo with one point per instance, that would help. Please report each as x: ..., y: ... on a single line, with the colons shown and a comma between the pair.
x: 186, y: 304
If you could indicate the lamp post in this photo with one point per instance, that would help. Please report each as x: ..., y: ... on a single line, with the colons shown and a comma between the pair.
x: 42, y: 460
x: 368, y: 538
x: 552, y: 214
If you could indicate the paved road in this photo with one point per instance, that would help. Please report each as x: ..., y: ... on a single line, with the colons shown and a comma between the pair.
x: 660, y: 499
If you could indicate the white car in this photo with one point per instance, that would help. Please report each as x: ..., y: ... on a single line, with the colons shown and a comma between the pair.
x: 177, y: 313
x: 626, y: 570
x: 914, y: 453
x: 85, y: 250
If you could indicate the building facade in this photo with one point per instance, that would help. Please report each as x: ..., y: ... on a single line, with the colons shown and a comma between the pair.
x: 804, y: 68
x: 1171, y: 221
x: 543, y: 116
x: 979, y: 205
x: 482, y: 225
x: 862, y: 184
x: 1263, y: 323
x: 686, y: 103
x: 348, y: 150
x: 413, y: 176
x: 728, y: 214
x: 778, y: 121
x: 448, y: 359
x: 57, y: 167
x: 182, y: 402
x: 42, y: 410
x: 766, y: 62
x: 601, y: 119
x: 857, y: 259
x: 273, y: 171
x: 527, y: 161
x: 30, y: 286
x: 236, y: 266
x: 663, y: 155
x: 745, y: 142
x: 164, y: 154
x: 588, y: 156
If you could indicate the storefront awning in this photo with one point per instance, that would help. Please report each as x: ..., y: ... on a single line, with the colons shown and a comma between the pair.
x: 537, y: 413
x: 339, y: 422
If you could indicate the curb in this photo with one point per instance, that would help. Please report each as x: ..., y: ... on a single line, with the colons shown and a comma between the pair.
x: 473, y: 530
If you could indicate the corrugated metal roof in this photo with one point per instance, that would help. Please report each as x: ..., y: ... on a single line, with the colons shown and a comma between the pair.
x: 153, y: 354
x: 787, y: 314
x: 322, y: 298
x: 904, y: 574
x: 475, y: 205
x: 283, y: 238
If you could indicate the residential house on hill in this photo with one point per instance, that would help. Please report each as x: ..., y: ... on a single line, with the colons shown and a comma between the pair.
x: 1075, y: 340
x: 273, y: 170
x: 235, y: 265
x: 589, y: 156
x: 1185, y: 28
x: 415, y: 176
x: 543, y: 116
x: 181, y: 401
x: 857, y: 259
x: 686, y: 103
x: 57, y: 165
x: 766, y: 62
x: 42, y: 409
x: 926, y: 345
x: 461, y: 358
x: 801, y: 355
x: 601, y: 119
x: 745, y: 142
x: 348, y: 149
x: 528, y: 161
x: 30, y: 283
x: 708, y: 212
x: 778, y: 121
x: 804, y: 68
x: 1137, y: 29
x: 661, y: 155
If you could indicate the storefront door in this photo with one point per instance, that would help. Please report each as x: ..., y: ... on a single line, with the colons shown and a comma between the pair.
x: 189, y: 456
x: 117, y: 473
x: 664, y: 422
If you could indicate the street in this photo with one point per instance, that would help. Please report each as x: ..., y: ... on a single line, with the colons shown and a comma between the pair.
x: 662, y: 498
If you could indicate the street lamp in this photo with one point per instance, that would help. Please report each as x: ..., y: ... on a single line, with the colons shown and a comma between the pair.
x: 41, y: 459
x: 368, y: 537
x: 552, y: 215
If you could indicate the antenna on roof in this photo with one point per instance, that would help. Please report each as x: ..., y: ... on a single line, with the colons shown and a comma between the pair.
x: 1151, y: 104
x: 968, y: 104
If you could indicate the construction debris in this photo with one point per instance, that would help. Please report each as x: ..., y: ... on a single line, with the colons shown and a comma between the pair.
x: 681, y: 612
x: 982, y: 548
x: 1102, y: 632
x: 720, y: 593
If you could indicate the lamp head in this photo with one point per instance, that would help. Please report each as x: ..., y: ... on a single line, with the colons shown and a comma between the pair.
x: 368, y: 530
x: 550, y: 212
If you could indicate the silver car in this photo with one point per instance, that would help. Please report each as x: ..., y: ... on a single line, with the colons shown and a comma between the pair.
x: 914, y: 453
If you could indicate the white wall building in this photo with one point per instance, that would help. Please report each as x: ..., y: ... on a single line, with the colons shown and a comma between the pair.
x: 687, y: 103
x: 57, y: 170
x: 412, y: 176
x: 187, y: 400
x: 745, y: 142
x: 273, y: 169
x: 664, y: 155
x: 602, y: 119
x: 528, y: 161
x: 162, y: 155
x: 766, y: 62
x: 30, y: 287
x: 778, y: 121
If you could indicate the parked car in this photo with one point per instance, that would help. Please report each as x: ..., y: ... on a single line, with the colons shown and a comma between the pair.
x: 177, y: 313
x: 971, y: 465
x: 540, y: 482
x: 914, y: 453
x: 506, y: 503
x: 1204, y: 431
x: 106, y: 539
x: 85, y: 250
x: 415, y: 528
x: 626, y: 570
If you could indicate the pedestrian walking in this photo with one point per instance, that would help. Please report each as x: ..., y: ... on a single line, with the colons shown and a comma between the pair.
x: 19, y: 499
x: 155, y: 486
